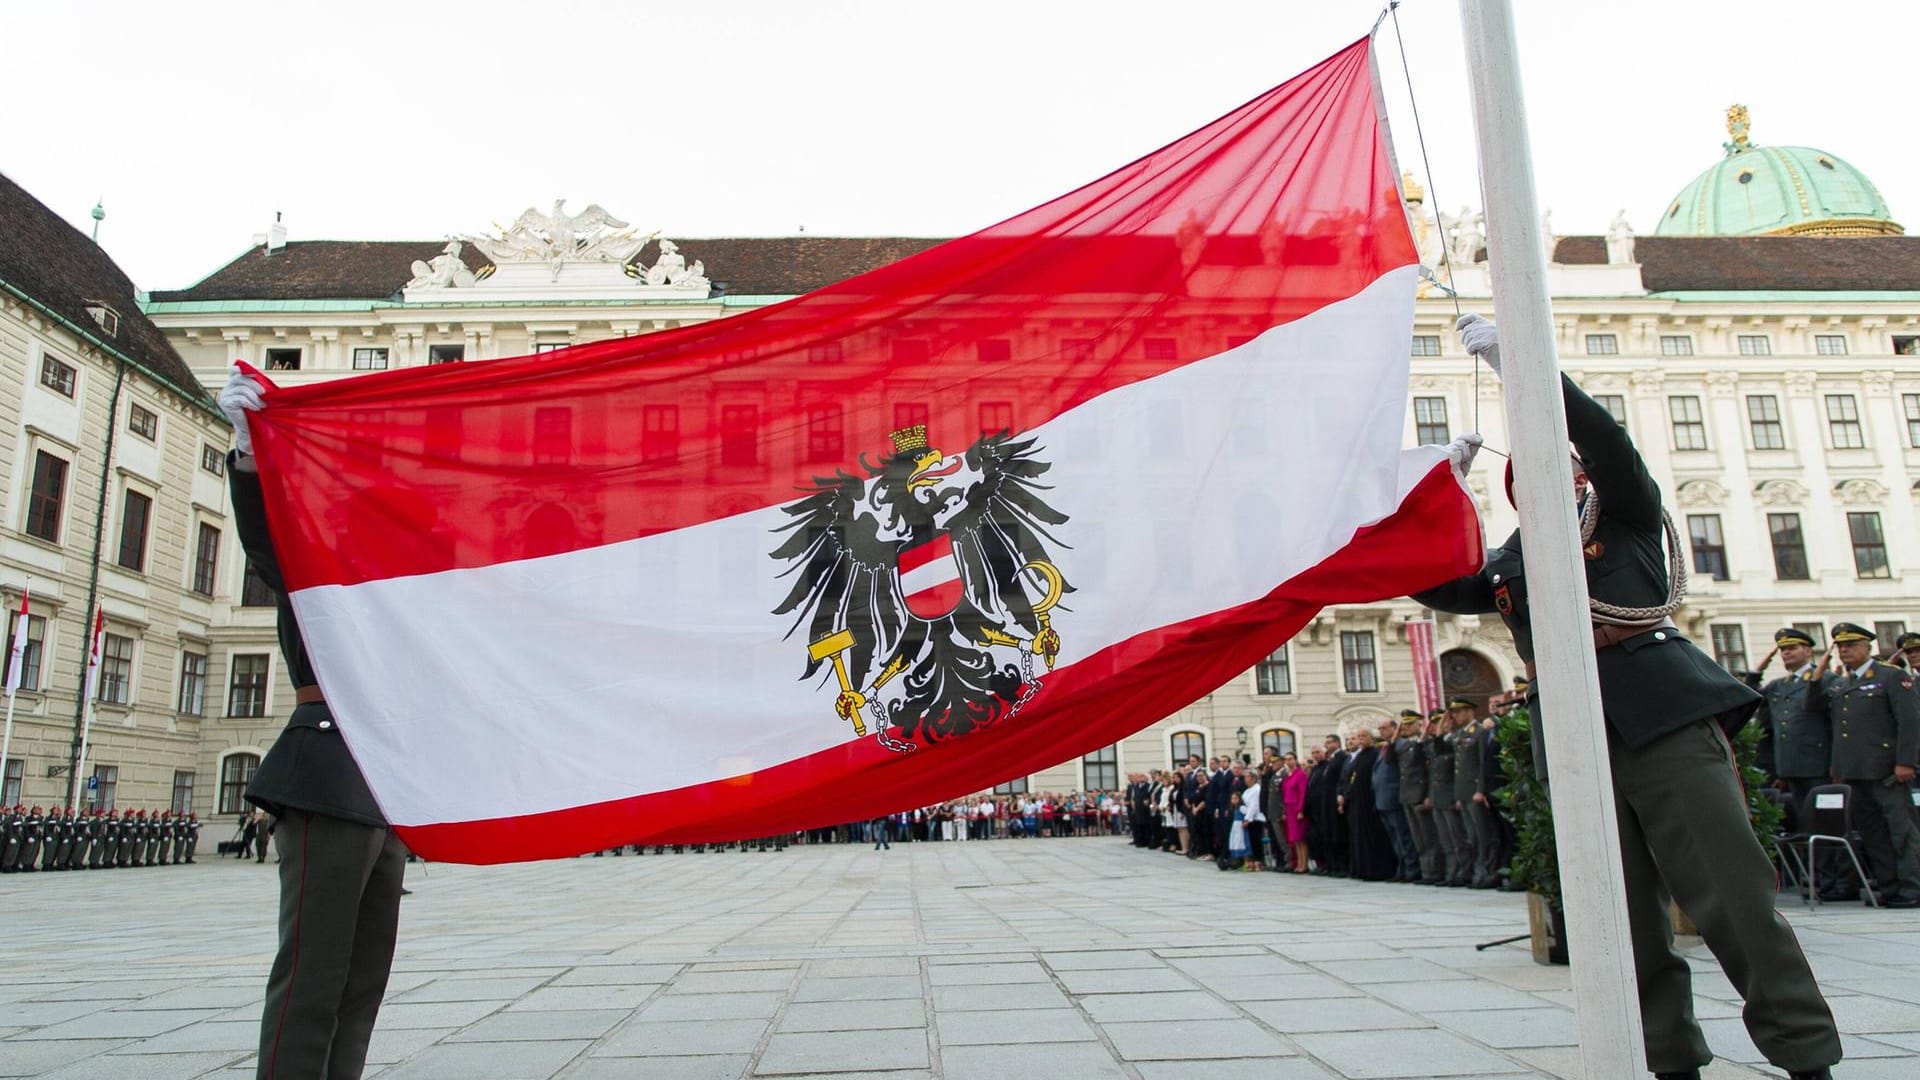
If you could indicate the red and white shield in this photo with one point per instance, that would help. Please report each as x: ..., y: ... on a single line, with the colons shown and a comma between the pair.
x: 930, y: 578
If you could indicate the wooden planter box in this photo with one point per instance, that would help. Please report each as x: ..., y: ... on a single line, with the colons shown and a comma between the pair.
x: 1547, y: 925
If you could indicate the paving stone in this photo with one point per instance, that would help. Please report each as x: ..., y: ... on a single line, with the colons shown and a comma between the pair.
x: 681, y: 1037
x: 617, y: 975
x: 863, y: 966
x: 432, y: 1014
x: 461, y: 989
x: 986, y: 974
x: 1102, y: 960
x: 1333, y: 1014
x: 878, y: 988
x: 495, y: 1061
x: 756, y: 1006
x: 112, y: 1024
x: 853, y: 1015
x: 830, y: 1051
x: 1455, y: 995
x: 541, y: 1026
x: 1293, y: 988
x: 1172, y: 1005
x: 23, y: 1058
x: 1124, y: 982
x: 1374, y: 1054
x: 42, y: 1013
x: 201, y: 997
x: 389, y: 1045
x: 1081, y: 1061
x: 564, y: 998
x: 702, y: 1067
x: 1361, y: 972
x: 1017, y: 996
x: 1013, y: 1026
x: 1293, y: 1068
x: 146, y: 1066
x: 1872, y: 1014
x: 1163, y: 1040
x: 1216, y: 969
x: 1507, y: 1029
x: 210, y: 1035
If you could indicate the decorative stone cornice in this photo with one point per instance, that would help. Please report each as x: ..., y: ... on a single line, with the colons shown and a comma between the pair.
x: 1860, y: 492
x: 1700, y: 492
x: 1780, y: 492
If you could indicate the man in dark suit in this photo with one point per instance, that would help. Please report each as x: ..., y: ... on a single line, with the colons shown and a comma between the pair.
x: 1682, y: 814
x: 1193, y: 798
x: 340, y: 865
x: 1875, y: 713
x: 1220, y: 810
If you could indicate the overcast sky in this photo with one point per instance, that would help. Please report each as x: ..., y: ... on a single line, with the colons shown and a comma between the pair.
x: 196, y: 122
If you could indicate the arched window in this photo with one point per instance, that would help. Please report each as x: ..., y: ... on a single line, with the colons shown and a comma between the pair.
x: 235, y: 771
x: 1465, y: 673
x: 1188, y: 744
x: 1100, y: 770
x: 1280, y: 739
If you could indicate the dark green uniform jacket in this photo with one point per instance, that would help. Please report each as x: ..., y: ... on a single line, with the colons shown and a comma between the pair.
x: 1467, y: 781
x: 1411, y: 756
x: 1876, y: 721
x: 1650, y: 684
x: 1796, y: 728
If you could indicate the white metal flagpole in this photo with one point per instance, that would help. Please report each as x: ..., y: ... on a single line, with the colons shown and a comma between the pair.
x: 1604, y: 995
x: 16, y: 648
x: 92, y: 691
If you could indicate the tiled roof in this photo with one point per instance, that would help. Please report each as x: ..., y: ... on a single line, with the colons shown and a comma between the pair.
x: 1763, y: 263
x: 58, y: 267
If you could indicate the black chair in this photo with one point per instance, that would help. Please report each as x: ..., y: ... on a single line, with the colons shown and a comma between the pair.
x: 1825, y: 819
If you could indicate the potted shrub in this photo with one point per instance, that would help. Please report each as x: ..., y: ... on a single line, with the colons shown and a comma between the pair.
x: 1536, y: 862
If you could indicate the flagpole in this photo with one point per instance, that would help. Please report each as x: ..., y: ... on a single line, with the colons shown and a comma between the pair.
x: 15, y: 646
x: 1606, y: 1002
x: 94, y: 656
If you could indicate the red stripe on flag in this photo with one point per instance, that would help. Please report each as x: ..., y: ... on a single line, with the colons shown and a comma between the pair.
x: 913, y: 558
x: 1098, y: 701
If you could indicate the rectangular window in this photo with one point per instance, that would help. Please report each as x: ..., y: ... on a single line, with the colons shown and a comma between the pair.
x: 740, y: 435
x: 247, y: 685
x: 57, y: 376
x: 193, y: 683
x: 1789, y: 547
x: 376, y: 359
x: 1888, y: 632
x: 16, y: 772
x: 1274, y: 675
x: 1100, y: 770
x: 1763, y: 420
x: 1616, y: 407
x: 908, y: 414
x: 996, y: 417
x: 1911, y: 404
x: 1426, y: 344
x: 659, y: 434
x: 254, y: 590
x: 1162, y: 350
x: 1603, y: 345
x: 1709, y: 547
x: 143, y: 422
x: 1729, y: 646
x: 116, y: 669
x: 911, y: 351
x: 182, y: 791
x: 1689, y: 423
x: 283, y: 359
x: 30, y: 657
x: 1830, y: 344
x: 1843, y: 422
x: 825, y: 352
x: 1676, y: 344
x: 1356, y: 661
x: 1755, y: 345
x: 1015, y: 786
x: 48, y: 497
x: 236, y: 772
x: 212, y: 460
x: 446, y: 354
x: 136, y: 510
x: 553, y: 435
x: 206, y: 559
x: 826, y: 434
x: 995, y: 350
x: 106, y: 782
x: 1430, y: 421
x: 1869, y: 546
x: 1076, y: 350
x: 540, y: 347
x: 1816, y: 632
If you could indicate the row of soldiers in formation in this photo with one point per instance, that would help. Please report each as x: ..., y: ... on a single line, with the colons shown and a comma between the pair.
x: 31, y: 840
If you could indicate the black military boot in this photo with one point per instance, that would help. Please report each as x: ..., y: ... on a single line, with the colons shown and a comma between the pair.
x: 1690, y: 1074
x: 1821, y: 1073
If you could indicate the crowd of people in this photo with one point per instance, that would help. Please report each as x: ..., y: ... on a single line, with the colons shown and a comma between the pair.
x: 1413, y: 801
x: 984, y: 817
x: 32, y: 840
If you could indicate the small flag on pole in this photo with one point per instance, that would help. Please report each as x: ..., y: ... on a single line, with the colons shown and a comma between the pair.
x: 17, y: 652
x: 93, y: 653
x: 1426, y: 664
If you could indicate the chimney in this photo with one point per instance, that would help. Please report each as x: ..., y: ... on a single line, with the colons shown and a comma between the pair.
x: 276, y: 234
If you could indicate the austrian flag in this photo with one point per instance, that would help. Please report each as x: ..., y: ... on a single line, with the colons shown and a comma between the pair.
x: 955, y: 520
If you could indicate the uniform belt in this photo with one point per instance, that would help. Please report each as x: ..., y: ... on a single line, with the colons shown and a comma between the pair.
x: 1606, y: 636
x: 308, y: 695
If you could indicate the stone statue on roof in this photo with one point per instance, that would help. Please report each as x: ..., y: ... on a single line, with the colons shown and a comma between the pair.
x: 1468, y: 236
x: 671, y: 269
x: 1620, y: 240
x: 558, y: 238
x: 445, y: 271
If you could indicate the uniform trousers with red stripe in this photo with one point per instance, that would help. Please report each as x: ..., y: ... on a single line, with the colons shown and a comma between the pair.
x: 339, y: 914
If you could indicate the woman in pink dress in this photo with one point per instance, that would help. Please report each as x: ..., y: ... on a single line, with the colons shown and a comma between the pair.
x: 1293, y: 796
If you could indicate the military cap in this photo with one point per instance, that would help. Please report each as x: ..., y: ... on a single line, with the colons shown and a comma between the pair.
x: 1907, y: 641
x: 1846, y: 631
x: 1460, y: 703
x: 1409, y: 714
x: 1520, y: 682
x: 1790, y: 636
x: 1436, y: 714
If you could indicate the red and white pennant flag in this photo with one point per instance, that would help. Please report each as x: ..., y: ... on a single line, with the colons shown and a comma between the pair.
x: 955, y: 520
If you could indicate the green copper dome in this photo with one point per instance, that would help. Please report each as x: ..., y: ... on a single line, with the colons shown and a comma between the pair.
x: 1776, y: 191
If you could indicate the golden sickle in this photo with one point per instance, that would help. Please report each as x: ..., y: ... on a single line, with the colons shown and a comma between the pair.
x: 1048, y: 640
x: 832, y: 646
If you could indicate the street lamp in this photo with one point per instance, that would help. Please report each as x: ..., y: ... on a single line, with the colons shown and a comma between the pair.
x: 1242, y: 736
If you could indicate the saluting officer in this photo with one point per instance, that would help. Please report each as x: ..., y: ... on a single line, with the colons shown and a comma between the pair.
x: 1456, y: 854
x: 1906, y: 651
x: 1411, y: 755
x: 1681, y: 812
x: 1470, y: 792
x: 1876, y: 741
x: 1799, y: 750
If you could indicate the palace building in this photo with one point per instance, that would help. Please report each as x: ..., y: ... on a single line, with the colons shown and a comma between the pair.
x: 1761, y: 344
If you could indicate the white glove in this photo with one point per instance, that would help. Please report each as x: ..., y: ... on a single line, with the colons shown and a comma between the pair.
x: 1462, y: 450
x: 1481, y: 338
x: 239, y: 397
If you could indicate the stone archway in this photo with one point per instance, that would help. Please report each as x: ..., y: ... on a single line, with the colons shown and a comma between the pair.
x: 1467, y: 674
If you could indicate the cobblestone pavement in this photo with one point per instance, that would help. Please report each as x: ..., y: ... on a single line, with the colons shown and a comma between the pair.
x: 1061, y: 959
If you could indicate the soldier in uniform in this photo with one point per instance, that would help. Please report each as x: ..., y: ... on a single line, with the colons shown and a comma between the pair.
x: 1470, y: 792
x: 1906, y: 651
x: 32, y: 835
x: 1456, y: 853
x: 166, y: 837
x: 59, y: 840
x: 1796, y: 745
x: 84, y: 832
x: 156, y: 835
x: 133, y: 837
x: 1875, y: 713
x: 1411, y: 754
x: 12, y: 826
x: 1682, y: 814
x: 103, y: 840
x: 193, y: 834
x: 340, y: 866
